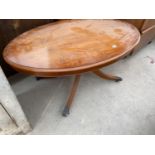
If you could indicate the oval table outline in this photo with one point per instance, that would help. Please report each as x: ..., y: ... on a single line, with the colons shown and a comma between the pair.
x: 94, y: 67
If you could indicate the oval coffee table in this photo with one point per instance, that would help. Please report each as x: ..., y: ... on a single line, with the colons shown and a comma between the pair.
x: 71, y: 47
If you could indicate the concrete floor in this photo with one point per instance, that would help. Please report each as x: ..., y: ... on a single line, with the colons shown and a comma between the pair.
x: 100, y: 106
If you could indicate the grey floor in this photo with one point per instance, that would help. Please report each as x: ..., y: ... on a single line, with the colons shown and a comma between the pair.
x: 100, y: 106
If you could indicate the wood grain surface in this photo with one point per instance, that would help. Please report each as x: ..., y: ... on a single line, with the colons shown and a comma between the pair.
x: 71, y: 46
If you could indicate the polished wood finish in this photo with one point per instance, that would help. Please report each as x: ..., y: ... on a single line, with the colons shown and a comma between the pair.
x: 11, y: 28
x: 107, y: 76
x: 136, y: 22
x: 146, y: 28
x: 71, y: 46
x: 146, y: 37
x: 147, y: 24
x: 71, y: 96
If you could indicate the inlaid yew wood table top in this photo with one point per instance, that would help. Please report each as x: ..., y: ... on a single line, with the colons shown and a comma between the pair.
x: 71, y: 47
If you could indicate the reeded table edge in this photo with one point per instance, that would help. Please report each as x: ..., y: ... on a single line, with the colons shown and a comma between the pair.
x: 68, y: 71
